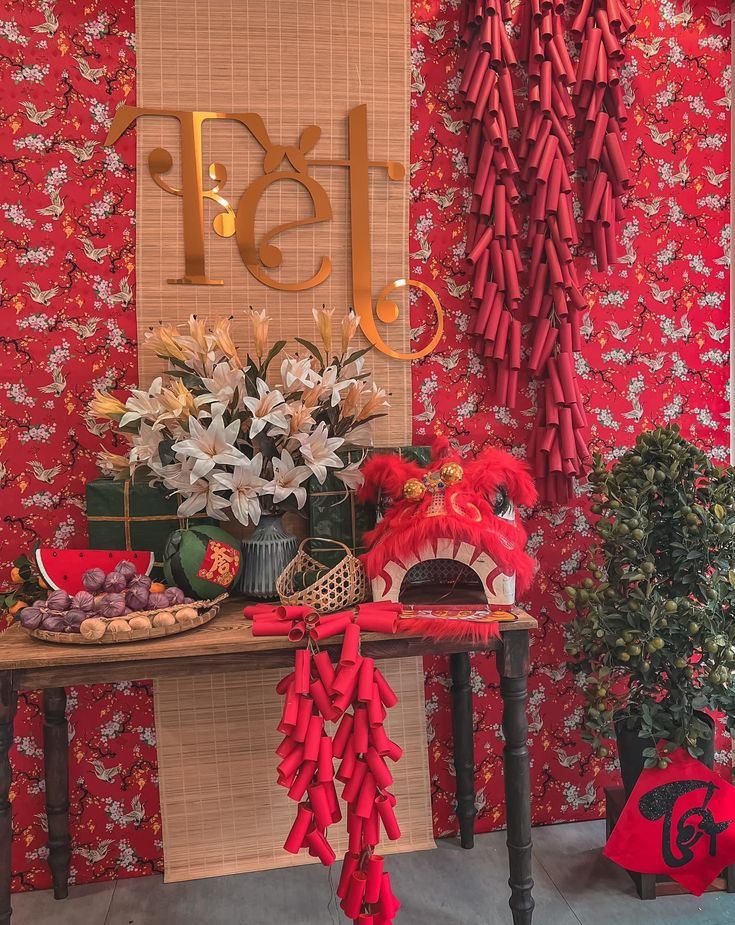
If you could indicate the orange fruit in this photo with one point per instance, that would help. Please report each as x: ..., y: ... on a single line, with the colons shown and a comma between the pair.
x: 157, y: 587
x: 15, y: 576
x: 18, y: 605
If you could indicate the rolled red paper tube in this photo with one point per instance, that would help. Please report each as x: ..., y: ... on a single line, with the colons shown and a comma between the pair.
x: 333, y: 801
x: 375, y: 710
x: 352, y: 903
x: 394, y: 751
x: 291, y: 706
x: 320, y: 805
x: 321, y: 700
x: 477, y: 77
x: 303, y: 671
x: 347, y: 765
x: 501, y: 336
x: 366, y: 919
x: 324, y: 668
x: 326, y: 629
x: 515, y: 344
x: 313, y: 737
x: 320, y: 847
x: 360, y: 730
x: 387, y: 694
x: 480, y: 246
x: 297, y: 631
x: 345, y: 679
x: 254, y: 610
x: 341, y: 736
x: 306, y: 705
x: 352, y: 787
x: 295, y: 839
x: 385, y: 622
x: 374, y: 877
x: 292, y: 613
x: 365, y: 680
x: 380, y: 740
x: 291, y: 762
x: 388, y: 901
x: 371, y: 829
x: 379, y: 769
x: 483, y: 311
x: 350, y: 646
x: 366, y: 797
x: 349, y: 866
x: 303, y: 779
x: 325, y: 762
x: 286, y: 747
x: 355, y: 839
x: 271, y: 628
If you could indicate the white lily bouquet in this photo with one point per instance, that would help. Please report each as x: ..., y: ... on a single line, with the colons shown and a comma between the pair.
x: 216, y: 434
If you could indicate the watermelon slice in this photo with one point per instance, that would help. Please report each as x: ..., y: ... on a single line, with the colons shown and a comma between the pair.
x: 63, y: 568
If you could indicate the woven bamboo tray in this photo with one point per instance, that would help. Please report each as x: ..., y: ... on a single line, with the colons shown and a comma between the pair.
x: 206, y: 611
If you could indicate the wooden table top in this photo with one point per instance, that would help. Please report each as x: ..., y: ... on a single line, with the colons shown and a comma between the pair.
x: 224, y: 641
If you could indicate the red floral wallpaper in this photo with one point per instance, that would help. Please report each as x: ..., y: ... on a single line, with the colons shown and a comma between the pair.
x: 656, y: 349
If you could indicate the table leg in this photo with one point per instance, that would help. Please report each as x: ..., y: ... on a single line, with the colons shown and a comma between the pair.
x: 8, y: 700
x: 513, y: 666
x: 56, y: 765
x: 464, y: 746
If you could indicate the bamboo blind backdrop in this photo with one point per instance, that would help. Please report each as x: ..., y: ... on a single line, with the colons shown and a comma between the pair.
x: 222, y: 810
x: 295, y: 64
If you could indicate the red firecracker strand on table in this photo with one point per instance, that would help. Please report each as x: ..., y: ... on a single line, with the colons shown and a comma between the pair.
x: 558, y: 450
x: 600, y: 27
x: 492, y: 240
x: 355, y: 695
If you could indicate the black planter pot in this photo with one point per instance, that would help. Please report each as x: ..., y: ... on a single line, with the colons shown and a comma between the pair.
x: 631, y: 747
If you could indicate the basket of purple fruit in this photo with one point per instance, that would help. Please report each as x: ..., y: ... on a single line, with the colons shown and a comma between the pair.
x: 121, y: 605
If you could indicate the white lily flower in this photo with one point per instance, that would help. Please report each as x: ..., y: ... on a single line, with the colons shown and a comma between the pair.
x: 210, y: 446
x: 143, y: 403
x: 203, y: 497
x: 297, y: 373
x: 299, y: 419
x: 245, y: 486
x: 331, y: 384
x: 268, y: 408
x: 318, y: 450
x: 351, y: 476
x: 145, y: 446
x: 222, y: 385
x: 287, y: 479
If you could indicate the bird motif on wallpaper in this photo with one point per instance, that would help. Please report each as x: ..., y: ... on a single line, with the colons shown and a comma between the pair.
x: 651, y: 48
x: 419, y: 82
x: 44, y: 475
x: 455, y: 126
x: 445, y: 200
x: 98, y: 428
x: 97, y: 254
x: 654, y: 363
x: 57, y: 384
x: 123, y: 296
x: 455, y: 291
x: 629, y: 257
x: 92, y: 74
x: 427, y: 415
x: 620, y: 333
x: 724, y: 101
x: 105, y: 774
x: 424, y: 251
x: 716, y: 179
x: 659, y: 294
x: 718, y: 334
x: 85, y: 330
x: 49, y: 25
x: 723, y: 261
x: 718, y: 17
x: 683, y: 174
x: 661, y: 138
x: 586, y: 328
x: 685, y: 17
x: 136, y: 814
x: 636, y: 411
x: 651, y: 208
x: 81, y: 153
x: 436, y: 32
x: 448, y: 363
x: 56, y: 207
x: 96, y: 854
x: 42, y: 296
x: 567, y: 761
x: 38, y: 117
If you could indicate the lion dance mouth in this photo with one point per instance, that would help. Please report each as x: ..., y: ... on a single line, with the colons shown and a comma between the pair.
x: 450, y: 519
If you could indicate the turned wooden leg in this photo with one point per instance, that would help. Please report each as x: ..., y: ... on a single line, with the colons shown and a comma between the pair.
x: 513, y: 666
x: 464, y: 747
x: 8, y: 700
x: 56, y: 764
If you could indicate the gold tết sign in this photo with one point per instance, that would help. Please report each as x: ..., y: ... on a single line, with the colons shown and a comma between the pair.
x: 260, y: 257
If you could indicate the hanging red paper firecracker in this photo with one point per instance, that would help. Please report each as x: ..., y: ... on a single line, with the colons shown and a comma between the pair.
x: 492, y: 240
x: 558, y: 451
x: 600, y: 27
x: 355, y: 695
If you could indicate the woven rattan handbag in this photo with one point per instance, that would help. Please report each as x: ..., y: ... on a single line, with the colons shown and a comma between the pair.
x: 334, y: 588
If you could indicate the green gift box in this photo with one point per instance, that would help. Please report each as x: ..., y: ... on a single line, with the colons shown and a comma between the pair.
x: 335, y: 513
x: 133, y: 515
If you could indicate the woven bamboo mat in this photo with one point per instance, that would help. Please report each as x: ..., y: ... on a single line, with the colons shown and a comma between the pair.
x: 222, y: 810
x: 295, y: 64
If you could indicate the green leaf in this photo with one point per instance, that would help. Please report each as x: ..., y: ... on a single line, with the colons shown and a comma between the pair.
x: 731, y: 577
x: 353, y: 357
x: 312, y: 348
x: 272, y: 354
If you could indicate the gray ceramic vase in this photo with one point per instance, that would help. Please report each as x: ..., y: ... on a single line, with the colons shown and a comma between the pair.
x: 265, y: 555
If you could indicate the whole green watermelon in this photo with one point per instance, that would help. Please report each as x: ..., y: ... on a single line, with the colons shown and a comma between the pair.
x: 203, y: 561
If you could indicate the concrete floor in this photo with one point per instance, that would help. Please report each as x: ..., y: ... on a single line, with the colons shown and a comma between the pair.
x: 575, y: 885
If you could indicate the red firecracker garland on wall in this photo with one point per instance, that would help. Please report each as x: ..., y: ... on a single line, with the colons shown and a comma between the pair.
x: 599, y: 27
x: 356, y: 696
x: 493, y: 249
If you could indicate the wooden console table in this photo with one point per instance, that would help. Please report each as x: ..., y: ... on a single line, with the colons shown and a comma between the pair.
x: 226, y: 643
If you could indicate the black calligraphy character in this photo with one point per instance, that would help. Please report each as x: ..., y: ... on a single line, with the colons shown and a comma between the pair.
x: 690, y: 827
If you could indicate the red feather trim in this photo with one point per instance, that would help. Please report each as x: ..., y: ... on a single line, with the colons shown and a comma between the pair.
x: 475, y: 631
x: 386, y: 475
